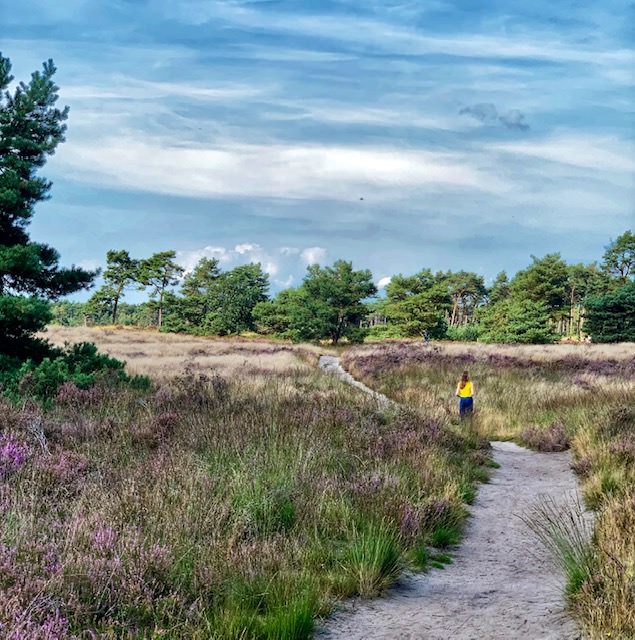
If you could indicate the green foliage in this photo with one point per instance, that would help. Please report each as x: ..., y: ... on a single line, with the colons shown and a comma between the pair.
x: 329, y: 304
x: 517, y: 321
x: 236, y: 294
x: 80, y: 364
x: 75, y: 314
x: 211, y: 302
x: 418, y: 303
x: 467, y: 290
x: 464, y: 333
x: 499, y: 289
x: 420, y: 557
x: 293, y: 314
x: 374, y: 559
x: 292, y: 620
x: 619, y: 257
x: 544, y: 281
x: 20, y: 319
x: 611, y: 318
x: 445, y: 536
x: 386, y: 332
x: 121, y: 272
x: 187, y: 313
x: 68, y: 314
x: 338, y: 292
x: 31, y: 127
x: 159, y: 272
x: 265, y: 510
x: 565, y: 531
x: 267, y: 610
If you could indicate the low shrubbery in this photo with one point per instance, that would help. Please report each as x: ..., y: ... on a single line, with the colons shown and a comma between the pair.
x: 80, y: 365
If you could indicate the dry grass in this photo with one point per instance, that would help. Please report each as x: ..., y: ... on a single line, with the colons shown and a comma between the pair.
x: 165, y: 355
x: 530, y: 353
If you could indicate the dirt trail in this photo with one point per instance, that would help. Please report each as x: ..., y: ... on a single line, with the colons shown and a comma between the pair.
x: 502, y: 584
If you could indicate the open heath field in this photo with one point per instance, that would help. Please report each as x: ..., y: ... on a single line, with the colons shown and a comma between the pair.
x: 167, y: 355
x: 213, y: 504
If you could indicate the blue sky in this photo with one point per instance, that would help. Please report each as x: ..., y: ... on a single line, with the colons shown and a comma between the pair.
x: 396, y: 134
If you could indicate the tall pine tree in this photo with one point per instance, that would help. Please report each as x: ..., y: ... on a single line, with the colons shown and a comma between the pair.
x: 31, y: 128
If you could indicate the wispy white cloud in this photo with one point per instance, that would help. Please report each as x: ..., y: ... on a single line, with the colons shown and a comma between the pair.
x: 396, y: 38
x: 128, y: 88
x: 598, y: 153
x: 247, y: 170
x: 246, y: 247
x: 289, y: 251
x: 384, y: 282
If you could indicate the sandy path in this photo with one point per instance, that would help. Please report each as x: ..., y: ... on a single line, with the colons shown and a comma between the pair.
x: 502, y: 584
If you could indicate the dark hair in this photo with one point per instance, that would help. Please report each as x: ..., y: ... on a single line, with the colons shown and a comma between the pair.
x: 464, y: 379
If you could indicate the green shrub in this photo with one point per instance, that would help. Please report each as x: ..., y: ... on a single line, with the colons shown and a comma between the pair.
x: 385, y: 332
x: 464, y: 333
x: 565, y: 531
x: 80, y: 364
x: 374, y: 559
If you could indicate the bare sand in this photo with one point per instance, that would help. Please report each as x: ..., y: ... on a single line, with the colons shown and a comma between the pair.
x: 502, y: 585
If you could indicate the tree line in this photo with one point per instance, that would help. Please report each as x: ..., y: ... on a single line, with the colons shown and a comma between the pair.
x: 545, y: 301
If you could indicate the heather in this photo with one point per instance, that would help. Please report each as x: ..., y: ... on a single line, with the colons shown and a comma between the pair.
x: 550, y: 399
x: 213, y: 507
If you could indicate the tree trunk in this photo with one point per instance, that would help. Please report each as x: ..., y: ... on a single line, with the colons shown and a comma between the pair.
x: 160, y: 319
x: 454, y: 310
x: 114, y: 310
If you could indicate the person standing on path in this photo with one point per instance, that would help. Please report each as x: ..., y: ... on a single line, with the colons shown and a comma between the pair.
x: 465, y: 394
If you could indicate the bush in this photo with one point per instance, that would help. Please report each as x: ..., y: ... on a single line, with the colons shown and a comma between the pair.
x: 81, y: 364
x: 386, y: 332
x: 464, y: 333
x: 374, y: 559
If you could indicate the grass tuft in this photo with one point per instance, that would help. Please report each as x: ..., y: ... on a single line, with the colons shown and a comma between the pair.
x: 445, y: 536
x: 374, y: 559
x: 565, y: 530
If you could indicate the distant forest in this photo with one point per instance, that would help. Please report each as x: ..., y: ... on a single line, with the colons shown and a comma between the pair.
x: 547, y: 301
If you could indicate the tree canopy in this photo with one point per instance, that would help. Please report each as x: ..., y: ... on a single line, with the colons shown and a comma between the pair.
x: 611, y: 318
x: 619, y: 257
x: 31, y: 128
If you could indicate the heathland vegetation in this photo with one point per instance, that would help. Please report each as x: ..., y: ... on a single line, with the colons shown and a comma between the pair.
x: 227, y: 489
x: 551, y: 399
x: 239, y: 506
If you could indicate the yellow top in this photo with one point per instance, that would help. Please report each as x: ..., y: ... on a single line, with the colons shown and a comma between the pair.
x: 466, y: 391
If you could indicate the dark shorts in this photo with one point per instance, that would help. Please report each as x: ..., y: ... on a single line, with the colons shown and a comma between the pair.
x: 466, y: 406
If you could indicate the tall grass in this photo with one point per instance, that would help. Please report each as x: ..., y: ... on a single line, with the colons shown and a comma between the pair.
x: 374, y: 558
x: 565, y: 529
x: 215, y: 508
x: 551, y: 399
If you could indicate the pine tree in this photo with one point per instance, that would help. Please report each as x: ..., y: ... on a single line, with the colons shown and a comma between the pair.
x: 31, y: 128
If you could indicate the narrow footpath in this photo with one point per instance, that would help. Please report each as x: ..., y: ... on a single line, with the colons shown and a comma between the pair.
x: 502, y: 585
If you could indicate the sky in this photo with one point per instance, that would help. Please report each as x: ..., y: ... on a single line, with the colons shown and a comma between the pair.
x: 400, y: 135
